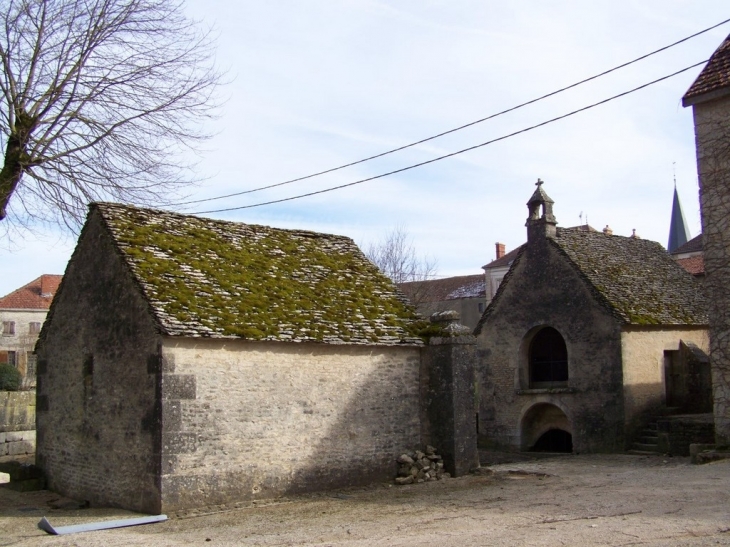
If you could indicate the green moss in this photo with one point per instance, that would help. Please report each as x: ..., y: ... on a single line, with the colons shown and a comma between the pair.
x: 255, y: 282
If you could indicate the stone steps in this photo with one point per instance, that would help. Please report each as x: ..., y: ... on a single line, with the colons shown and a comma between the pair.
x: 647, y: 442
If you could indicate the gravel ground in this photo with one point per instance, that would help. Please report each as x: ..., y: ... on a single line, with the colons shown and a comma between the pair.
x: 568, y: 500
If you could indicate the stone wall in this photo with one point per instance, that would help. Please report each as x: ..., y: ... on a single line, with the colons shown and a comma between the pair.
x: 544, y: 290
x: 247, y: 420
x: 712, y: 135
x: 98, y: 364
x: 643, y: 368
x: 676, y: 433
x: 17, y: 423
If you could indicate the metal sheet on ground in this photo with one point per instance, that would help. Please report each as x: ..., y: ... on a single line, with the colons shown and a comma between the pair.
x: 46, y: 526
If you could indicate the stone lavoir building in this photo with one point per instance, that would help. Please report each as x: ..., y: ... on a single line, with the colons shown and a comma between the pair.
x: 576, y: 346
x: 189, y: 362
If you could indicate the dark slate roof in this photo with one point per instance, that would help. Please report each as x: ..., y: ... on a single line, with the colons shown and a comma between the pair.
x: 36, y: 295
x: 714, y: 78
x: 448, y: 288
x: 636, y: 278
x: 217, y: 279
x: 694, y: 245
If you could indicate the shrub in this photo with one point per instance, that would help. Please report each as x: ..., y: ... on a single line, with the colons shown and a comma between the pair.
x: 10, y: 378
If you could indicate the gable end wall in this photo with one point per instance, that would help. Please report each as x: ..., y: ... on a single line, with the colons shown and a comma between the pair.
x: 543, y: 289
x: 98, y: 374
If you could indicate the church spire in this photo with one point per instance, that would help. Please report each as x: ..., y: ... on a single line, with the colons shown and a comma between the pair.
x: 678, y: 232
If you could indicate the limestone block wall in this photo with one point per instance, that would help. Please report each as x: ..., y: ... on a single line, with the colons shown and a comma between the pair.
x: 17, y: 423
x: 712, y: 136
x: 246, y: 420
x: 642, y: 352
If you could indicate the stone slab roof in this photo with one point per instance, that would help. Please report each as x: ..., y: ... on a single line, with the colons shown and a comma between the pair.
x: 217, y: 279
x: 36, y: 295
x: 714, y: 80
x: 636, y: 278
x: 448, y: 288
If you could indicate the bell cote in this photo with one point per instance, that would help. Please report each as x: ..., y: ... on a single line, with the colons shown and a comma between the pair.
x: 541, y: 222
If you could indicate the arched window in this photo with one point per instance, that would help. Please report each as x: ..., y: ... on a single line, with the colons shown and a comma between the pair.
x: 548, y: 359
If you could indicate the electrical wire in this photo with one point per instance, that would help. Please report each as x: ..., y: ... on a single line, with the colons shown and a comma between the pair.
x: 459, y: 128
x: 463, y: 150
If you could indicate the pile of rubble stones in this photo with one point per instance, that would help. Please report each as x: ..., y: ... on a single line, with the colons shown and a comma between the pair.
x: 420, y: 467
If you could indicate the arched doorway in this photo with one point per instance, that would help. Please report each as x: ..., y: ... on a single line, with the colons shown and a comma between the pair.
x: 546, y: 428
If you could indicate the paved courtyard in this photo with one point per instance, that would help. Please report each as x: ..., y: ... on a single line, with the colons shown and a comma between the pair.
x: 568, y: 500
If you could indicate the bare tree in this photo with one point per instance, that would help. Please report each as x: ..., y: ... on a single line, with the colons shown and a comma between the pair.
x: 396, y: 257
x: 100, y: 98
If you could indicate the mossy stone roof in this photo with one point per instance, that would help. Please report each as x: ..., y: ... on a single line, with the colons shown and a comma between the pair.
x: 636, y: 278
x: 217, y: 279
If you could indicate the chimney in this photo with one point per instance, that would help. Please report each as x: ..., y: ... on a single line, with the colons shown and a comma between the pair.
x: 47, y: 286
x: 633, y: 234
x: 500, y: 250
x: 608, y: 231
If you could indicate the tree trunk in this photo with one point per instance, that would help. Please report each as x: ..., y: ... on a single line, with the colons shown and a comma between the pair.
x: 11, y: 172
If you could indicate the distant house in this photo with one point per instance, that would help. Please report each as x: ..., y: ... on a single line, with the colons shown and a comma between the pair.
x: 22, y: 313
x: 463, y: 294
x: 580, y: 336
x: 495, y: 271
x: 189, y: 362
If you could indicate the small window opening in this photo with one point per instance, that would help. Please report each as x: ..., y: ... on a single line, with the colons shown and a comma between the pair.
x: 548, y: 359
x: 8, y: 328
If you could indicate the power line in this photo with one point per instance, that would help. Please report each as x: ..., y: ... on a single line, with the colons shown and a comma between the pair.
x: 459, y: 128
x: 433, y: 160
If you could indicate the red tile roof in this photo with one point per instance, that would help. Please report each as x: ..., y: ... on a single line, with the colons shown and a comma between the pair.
x: 36, y: 295
x: 713, y: 78
x: 693, y: 264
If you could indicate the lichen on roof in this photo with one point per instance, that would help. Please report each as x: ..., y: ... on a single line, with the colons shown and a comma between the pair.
x: 636, y: 278
x: 218, y: 279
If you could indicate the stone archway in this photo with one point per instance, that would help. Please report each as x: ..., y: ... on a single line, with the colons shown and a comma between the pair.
x: 546, y: 428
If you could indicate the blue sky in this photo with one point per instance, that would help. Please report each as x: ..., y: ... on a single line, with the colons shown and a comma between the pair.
x: 317, y: 84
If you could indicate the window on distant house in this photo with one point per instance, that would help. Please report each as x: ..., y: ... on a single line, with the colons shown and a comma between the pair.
x: 34, y: 327
x: 481, y: 307
x: 548, y: 359
x: 12, y: 360
x: 8, y: 328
